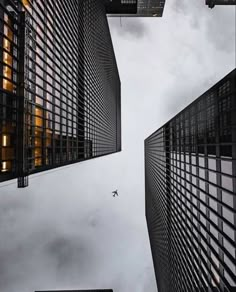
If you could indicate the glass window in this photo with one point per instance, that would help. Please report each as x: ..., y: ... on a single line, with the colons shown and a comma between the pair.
x: 8, y: 33
x: 227, y: 182
x: 226, y: 166
x: 212, y: 177
x: 7, y: 72
x: 227, y: 198
x: 6, y: 45
x: 230, y: 264
x: 213, y: 204
x: 228, y: 230
x: 7, y: 85
x: 6, y: 166
x: 201, y: 161
x: 202, y: 173
x: 214, y: 231
x: 229, y: 247
x: 202, y: 196
x: 7, y: 59
x: 202, y: 184
x: 213, y: 190
x: 212, y: 163
x: 213, y: 218
x: 228, y: 214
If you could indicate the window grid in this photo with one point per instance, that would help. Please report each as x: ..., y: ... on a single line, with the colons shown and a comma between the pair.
x: 190, y: 171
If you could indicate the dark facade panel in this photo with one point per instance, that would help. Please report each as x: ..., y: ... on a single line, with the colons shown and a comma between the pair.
x: 60, y: 87
x: 121, y: 6
x: 135, y: 8
x: 212, y: 3
x: 190, y: 184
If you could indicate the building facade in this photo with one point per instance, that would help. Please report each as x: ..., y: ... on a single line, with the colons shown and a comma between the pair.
x: 135, y: 8
x: 190, y: 184
x: 59, y: 86
x: 212, y: 3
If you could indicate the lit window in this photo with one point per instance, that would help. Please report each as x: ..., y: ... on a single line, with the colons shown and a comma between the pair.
x: 26, y: 3
x: 227, y: 182
x: 6, y: 166
x: 5, y: 140
x: 7, y: 72
x: 38, y: 119
x: 7, y: 85
x: 7, y: 59
x: 6, y: 45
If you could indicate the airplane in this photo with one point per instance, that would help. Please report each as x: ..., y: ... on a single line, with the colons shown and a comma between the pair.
x: 115, y: 193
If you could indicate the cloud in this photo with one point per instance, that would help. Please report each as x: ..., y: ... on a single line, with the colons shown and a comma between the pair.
x: 220, y: 33
x: 67, y: 251
x: 131, y: 27
x: 222, y: 39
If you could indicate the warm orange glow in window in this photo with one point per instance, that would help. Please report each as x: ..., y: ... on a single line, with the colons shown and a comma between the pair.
x: 7, y: 59
x: 38, y: 162
x: 38, y: 154
x: 38, y: 119
x: 6, y: 45
x: 26, y: 3
x: 38, y: 142
x: 5, y: 140
x: 38, y: 122
x: 7, y: 85
x: 8, y: 32
x: 39, y: 112
x: 7, y: 72
x: 6, y: 166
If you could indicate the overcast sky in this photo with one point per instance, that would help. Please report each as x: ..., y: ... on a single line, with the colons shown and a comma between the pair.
x: 66, y: 231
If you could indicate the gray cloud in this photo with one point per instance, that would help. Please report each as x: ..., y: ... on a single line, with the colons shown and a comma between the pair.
x: 129, y: 27
x: 222, y: 39
x: 200, y: 16
x: 66, y: 251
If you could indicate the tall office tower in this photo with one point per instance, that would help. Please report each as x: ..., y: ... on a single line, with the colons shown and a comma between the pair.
x: 212, y: 3
x: 99, y: 290
x: 59, y: 85
x: 190, y: 177
x: 135, y: 8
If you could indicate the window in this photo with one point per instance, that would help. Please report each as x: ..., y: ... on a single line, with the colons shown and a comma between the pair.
x: 7, y: 72
x: 7, y: 59
x: 6, y: 45
x: 8, y: 33
x: 227, y: 182
x: 7, y: 85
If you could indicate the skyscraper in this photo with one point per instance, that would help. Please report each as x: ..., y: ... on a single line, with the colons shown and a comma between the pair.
x: 190, y: 184
x: 59, y: 86
x: 212, y: 3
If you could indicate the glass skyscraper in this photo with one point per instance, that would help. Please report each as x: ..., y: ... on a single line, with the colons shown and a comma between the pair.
x: 190, y: 184
x: 59, y: 85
